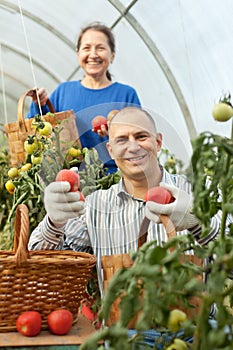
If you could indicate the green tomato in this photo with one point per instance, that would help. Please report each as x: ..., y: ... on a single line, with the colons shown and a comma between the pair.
x: 45, y: 129
x: 176, y: 318
x: 36, y: 159
x: 30, y: 147
x: 13, y: 172
x: 178, y: 344
x: 222, y: 112
x: 74, y: 152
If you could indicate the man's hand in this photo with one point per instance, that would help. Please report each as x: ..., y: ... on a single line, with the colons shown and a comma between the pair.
x: 60, y: 204
x: 178, y: 211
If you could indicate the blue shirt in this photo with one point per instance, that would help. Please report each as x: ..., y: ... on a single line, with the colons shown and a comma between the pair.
x: 86, y: 104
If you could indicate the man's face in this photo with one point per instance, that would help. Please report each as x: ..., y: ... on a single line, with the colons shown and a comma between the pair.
x: 133, y: 144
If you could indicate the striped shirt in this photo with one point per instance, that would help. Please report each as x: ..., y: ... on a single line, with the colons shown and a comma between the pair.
x: 111, y: 225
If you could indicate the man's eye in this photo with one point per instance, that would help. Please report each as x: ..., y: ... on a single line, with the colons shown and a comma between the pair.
x: 121, y: 141
x: 142, y: 137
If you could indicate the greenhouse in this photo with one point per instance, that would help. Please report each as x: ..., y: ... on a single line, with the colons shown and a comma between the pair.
x: 172, y: 59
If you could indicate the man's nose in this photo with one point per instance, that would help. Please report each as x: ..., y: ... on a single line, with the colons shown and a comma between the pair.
x: 133, y: 145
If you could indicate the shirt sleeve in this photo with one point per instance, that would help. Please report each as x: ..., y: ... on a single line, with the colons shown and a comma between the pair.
x: 72, y: 236
x: 34, y: 109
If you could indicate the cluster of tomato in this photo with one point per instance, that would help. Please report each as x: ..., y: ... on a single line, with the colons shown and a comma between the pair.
x: 34, y: 146
x: 59, y: 321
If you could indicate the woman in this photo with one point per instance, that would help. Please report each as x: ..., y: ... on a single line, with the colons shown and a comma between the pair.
x: 96, y: 94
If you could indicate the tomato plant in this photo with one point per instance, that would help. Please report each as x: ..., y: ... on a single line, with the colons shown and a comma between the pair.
x: 158, y: 282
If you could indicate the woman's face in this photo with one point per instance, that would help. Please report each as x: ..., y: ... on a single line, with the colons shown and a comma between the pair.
x: 95, y: 54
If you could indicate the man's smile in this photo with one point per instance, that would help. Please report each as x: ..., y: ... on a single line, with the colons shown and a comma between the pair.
x: 136, y: 159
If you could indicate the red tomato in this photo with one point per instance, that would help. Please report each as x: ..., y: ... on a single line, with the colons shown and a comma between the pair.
x: 97, y: 122
x: 29, y: 323
x: 82, y: 198
x: 87, y: 312
x: 70, y: 176
x: 10, y: 186
x: 111, y: 114
x: 60, y: 321
x: 160, y: 195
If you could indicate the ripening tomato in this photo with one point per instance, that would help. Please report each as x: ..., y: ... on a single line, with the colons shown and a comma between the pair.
x: 10, y: 187
x: 71, y: 176
x: 97, y: 122
x: 25, y: 167
x: 60, y: 321
x: 29, y: 323
x: 160, y: 195
x: 111, y: 114
x: 13, y: 172
x: 222, y: 112
x: 45, y: 129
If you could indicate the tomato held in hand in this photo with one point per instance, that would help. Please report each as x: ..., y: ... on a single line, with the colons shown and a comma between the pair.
x: 222, y: 112
x: 71, y: 176
x: 60, y: 321
x: 29, y: 323
x: 82, y: 198
x: 97, y: 122
x: 160, y: 195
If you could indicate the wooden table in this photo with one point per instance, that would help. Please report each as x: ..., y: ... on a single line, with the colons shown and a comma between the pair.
x: 45, y: 340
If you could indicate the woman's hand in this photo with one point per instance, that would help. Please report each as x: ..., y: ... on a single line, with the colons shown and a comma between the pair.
x: 40, y: 94
x: 103, y: 131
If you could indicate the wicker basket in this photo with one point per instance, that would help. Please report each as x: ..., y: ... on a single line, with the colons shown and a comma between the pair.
x: 111, y: 263
x: 39, y: 280
x: 17, y: 132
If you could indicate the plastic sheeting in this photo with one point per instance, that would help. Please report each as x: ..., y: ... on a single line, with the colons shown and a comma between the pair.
x: 176, y: 53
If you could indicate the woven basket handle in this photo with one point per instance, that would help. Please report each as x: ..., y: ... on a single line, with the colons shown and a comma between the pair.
x: 21, y: 107
x: 167, y: 223
x: 21, y: 227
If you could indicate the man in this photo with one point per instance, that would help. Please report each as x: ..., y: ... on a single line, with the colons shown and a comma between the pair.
x: 109, y: 221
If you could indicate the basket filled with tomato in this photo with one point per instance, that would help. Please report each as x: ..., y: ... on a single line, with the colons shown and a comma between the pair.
x: 40, y: 281
x: 18, y: 131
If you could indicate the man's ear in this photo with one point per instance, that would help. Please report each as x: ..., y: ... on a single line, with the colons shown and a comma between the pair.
x: 159, y: 140
x: 109, y: 148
